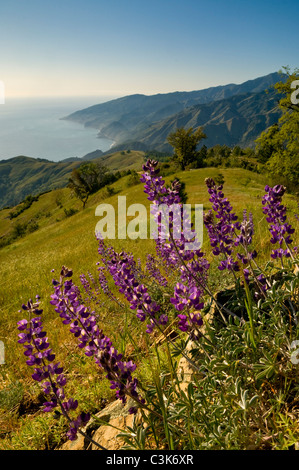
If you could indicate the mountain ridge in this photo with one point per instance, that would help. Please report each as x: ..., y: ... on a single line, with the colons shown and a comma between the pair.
x: 238, y: 120
x: 125, y: 119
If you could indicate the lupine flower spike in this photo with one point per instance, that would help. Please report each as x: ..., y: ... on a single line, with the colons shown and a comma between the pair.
x: 280, y: 229
x: 191, y: 264
x: 46, y: 371
x: 91, y: 339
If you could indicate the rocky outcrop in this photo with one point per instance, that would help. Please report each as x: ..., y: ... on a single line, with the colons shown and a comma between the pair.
x: 115, y: 418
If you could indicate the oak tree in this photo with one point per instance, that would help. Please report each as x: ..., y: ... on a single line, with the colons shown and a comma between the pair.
x: 185, y: 143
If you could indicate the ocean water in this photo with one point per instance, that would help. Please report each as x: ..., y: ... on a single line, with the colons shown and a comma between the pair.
x: 33, y: 127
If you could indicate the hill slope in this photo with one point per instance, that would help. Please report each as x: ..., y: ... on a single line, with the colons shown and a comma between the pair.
x: 26, y: 270
x: 238, y: 120
x: 20, y: 176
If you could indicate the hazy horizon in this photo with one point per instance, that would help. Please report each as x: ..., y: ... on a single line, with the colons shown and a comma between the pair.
x: 33, y: 127
x: 110, y: 97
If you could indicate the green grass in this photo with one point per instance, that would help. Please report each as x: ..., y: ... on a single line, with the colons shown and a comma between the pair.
x: 26, y: 266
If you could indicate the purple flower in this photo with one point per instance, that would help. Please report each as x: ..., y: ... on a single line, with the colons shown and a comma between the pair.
x: 154, y: 271
x: 227, y: 234
x: 124, y: 272
x: 172, y: 250
x: 49, y: 374
x: 188, y: 298
x: 183, y: 322
x: 280, y: 230
x: 81, y: 420
x: 83, y: 325
x: 222, y: 227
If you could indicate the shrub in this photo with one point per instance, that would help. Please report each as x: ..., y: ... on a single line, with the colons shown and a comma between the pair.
x: 219, y: 179
x: 32, y: 226
x: 19, y: 230
x: 70, y: 212
x: 133, y: 179
x: 110, y: 191
x: 24, y: 205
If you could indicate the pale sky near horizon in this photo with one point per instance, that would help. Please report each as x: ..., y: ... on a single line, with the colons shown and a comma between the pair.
x: 117, y: 47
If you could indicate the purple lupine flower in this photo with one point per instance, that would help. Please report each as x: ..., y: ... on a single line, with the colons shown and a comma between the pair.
x: 104, y: 285
x: 84, y: 326
x: 246, y: 230
x: 280, y: 229
x: 159, y: 194
x: 81, y: 420
x: 154, y: 271
x: 154, y: 185
x: 222, y: 232
x: 91, y: 289
x: 227, y: 233
x: 183, y: 322
x: 185, y: 297
x: 188, y: 299
x: 49, y: 374
x: 122, y: 268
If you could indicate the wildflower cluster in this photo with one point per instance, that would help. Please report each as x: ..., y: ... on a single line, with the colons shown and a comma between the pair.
x: 84, y: 326
x: 154, y: 271
x: 123, y: 270
x: 182, y: 275
x: 46, y: 371
x: 165, y: 197
x: 280, y: 230
x: 91, y: 289
x: 222, y: 232
x: 104, y: 285
x: 191, y: 264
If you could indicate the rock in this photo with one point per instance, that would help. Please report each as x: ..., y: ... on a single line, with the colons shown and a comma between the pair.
x: 117, y: 417
x: 185, y: 369
x: 78, y: 444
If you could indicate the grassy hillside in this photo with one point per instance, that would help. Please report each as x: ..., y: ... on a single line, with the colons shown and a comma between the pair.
x: 22, y: 175
x: 69, y: 240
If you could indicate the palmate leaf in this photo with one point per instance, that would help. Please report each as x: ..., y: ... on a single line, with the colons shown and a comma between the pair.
x: 266, y: 369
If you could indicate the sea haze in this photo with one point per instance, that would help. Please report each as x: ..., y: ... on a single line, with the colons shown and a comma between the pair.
x: 34, y: 128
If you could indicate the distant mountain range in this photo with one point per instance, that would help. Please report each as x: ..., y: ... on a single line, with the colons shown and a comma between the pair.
x: 229, y: 114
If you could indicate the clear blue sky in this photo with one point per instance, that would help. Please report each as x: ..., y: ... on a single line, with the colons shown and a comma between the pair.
x: 120, y: 47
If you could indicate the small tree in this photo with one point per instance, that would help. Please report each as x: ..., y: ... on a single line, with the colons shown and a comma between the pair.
x: 182, y: 190
x: 87, y: 179
x: 185, y: 142
x: 133, y: 179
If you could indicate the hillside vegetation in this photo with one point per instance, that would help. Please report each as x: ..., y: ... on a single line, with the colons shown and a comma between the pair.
x: 21, y: 176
